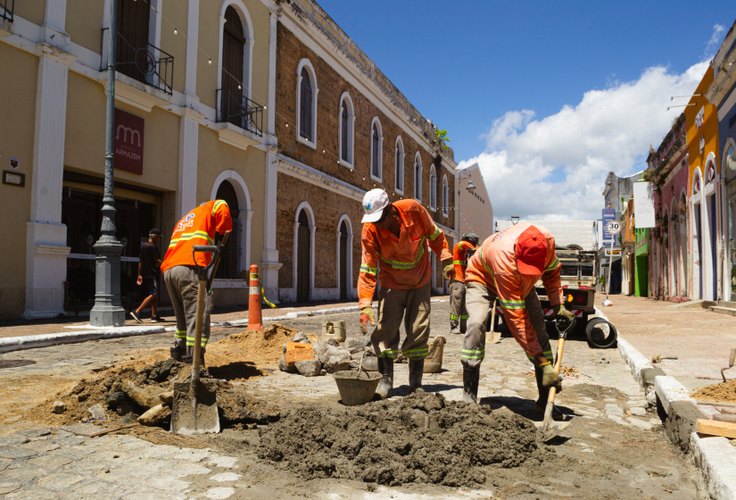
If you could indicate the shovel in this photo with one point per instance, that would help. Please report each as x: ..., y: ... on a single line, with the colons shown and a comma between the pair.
x: 551, y: 428
x: 194, y: 409
x: 731, y: 359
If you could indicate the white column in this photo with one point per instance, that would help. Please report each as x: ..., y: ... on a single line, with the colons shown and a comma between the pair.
x: 189, y: 126
x: 46, y: 248
x: 270, y: 265
x: 188, y: 152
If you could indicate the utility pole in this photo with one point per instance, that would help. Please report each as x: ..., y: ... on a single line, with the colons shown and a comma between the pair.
x: 108, y: 310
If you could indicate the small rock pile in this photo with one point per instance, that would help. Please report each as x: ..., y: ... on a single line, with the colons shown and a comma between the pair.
x: 323, y: 356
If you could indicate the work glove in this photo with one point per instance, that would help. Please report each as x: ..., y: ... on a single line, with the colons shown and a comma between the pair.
x: 562, y: 313
x: 366, y: 317
x: 550, y: 376
x: 448, y: 268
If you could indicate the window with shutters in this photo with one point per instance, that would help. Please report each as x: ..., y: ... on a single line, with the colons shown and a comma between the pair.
x: 306, y: 106
x: 376, y: 149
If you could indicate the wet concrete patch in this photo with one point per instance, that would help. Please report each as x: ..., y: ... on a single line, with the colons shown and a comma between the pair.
x: 421, y: 438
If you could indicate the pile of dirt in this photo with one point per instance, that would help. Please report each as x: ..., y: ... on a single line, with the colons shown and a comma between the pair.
x: 262, y: 349
x: 108, y: 396
x: 419, y: 438
x: 725, y: 392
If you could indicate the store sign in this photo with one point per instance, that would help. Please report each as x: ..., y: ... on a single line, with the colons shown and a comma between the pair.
x: 608, y: 215
x: 128, y: 142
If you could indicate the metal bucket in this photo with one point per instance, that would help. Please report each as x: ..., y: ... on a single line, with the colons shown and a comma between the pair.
x: 433, y: 361
x: 333, y: 330
x: 356, y: 387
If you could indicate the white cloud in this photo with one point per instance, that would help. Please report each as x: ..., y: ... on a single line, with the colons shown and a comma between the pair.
x: 554, y: 167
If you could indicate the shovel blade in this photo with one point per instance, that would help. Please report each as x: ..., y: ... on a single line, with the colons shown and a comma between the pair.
x: 551, y: 430
x: 194, y: 409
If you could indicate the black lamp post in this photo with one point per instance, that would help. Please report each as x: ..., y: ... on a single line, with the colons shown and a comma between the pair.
x: 108, y: 310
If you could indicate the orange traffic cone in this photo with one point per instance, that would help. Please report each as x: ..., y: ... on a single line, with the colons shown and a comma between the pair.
x: 255, y: 321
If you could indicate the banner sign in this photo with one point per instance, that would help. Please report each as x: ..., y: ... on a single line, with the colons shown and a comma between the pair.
x: 128, y: 142
x: 643, y: 205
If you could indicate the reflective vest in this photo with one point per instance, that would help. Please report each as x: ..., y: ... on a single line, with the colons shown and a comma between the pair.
x: 460, y: 255
x: 404, y: 261
x: 494, y: 265
x: 198, y: 227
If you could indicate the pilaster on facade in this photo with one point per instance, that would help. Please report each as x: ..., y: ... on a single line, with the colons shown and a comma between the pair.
x: 186, y: 195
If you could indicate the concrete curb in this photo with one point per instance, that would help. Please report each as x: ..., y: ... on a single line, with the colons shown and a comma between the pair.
x: 9, y: 344
x: 714, y: 456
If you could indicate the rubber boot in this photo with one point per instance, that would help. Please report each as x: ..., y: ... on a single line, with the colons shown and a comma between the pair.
x: 179, y: 349
x: 416, y: 370
x: 471, y: 377
x: 386, y: 368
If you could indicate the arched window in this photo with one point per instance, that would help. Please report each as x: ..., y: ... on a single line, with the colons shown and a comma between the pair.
x: 399, y: 166
x: 418, y: 177
x: 376, y: 150
x: 233, y: 50
x: 347, y: 130
x: 432, y: 188
x: 445, y: 196
x: 306, y: 104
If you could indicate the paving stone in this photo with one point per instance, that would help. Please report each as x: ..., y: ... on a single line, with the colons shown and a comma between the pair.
x: 225, y: 476
x: 43, y: 432
x: 219, y: 493
x: 60, y: 481
x: 638, y: 411
x: 640, y: 424
x: 222, y: 461
x: 16, y: 452
x: 42, y: 446
x: 615, y: 410
x: 167, y: 484
x: 9, y: 487
x: 12, y: 439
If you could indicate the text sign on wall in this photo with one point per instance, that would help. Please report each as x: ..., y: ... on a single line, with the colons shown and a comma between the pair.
x: 128, y: 142
x: 607, y: 215
x: 643, y: 205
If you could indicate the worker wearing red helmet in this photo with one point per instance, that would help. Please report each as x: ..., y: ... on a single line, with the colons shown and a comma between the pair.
x: 506, y: 267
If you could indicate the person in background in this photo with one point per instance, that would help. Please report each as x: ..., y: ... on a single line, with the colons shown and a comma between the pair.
x: 198, y: 227
x: 149, y: 274
x: 506, y: 267
x: 463, y: 250
x: 395, y: 241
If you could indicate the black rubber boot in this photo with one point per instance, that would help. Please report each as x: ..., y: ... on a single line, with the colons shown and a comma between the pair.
x: 386, y: 368
x: 178, y: 350
x: 471, y: 377
x: 416, y: 370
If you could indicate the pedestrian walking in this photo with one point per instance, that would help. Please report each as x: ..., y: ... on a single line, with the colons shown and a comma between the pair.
x: 198, y: 227
x: 395, y: 241
x: 149, y: 275
x: 507, y: 267
x: 462, y: 251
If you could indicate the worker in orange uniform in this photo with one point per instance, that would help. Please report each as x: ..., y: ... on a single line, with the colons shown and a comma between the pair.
x: 396, y: 240
x: 198, y: 227
x: 506, y: 267
x: 463, y: 250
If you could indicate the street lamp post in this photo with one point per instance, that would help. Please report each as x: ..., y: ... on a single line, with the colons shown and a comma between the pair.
x: 108, y: 310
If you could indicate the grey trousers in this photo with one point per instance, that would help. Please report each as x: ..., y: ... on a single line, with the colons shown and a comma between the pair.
x: 478, y: 301
x: 182, y: 283
x: 458, y: 314
x: 413, y: 306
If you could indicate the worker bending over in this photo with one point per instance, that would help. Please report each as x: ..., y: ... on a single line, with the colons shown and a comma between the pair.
x: 507, y: 266
x: 463, y: 250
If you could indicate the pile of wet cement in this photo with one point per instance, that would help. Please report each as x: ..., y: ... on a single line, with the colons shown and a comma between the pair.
x: 419, y: 438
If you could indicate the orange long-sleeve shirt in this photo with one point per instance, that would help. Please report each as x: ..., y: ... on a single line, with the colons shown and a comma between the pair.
x: 198, y: 227
x: 404, y: 261
x: 494, y: 265
x: 460, y: 258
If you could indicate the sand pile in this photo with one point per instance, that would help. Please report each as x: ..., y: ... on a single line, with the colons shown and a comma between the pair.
x: 725, y: 392
x: 420, y: 438
x: 262, y: 349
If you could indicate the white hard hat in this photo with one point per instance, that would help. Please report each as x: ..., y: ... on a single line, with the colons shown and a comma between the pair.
x: 374, y: 202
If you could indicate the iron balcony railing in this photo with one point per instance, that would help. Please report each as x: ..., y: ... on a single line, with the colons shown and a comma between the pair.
x: 143, y: 61
x: 7, y: 8
x: 237, y: 109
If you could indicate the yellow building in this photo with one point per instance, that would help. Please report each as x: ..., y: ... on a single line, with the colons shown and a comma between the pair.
x: 701, y: 119
x: 193, y: 106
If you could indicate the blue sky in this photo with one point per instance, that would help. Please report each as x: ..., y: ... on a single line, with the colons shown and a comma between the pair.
x: 546, y: 96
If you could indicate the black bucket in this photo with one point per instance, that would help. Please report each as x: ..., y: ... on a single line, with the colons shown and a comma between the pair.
x: 601, y: 333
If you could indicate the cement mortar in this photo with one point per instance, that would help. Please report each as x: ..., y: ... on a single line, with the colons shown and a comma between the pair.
x: 420, y: 438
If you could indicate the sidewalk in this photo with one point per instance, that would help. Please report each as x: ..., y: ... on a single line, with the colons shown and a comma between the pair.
x: 672, y: 350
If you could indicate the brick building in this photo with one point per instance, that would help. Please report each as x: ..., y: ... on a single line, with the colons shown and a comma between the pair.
x: 343, y: 128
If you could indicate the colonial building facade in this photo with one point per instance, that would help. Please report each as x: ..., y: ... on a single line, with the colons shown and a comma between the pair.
x: 343, y: 128
x: 263, y: 103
